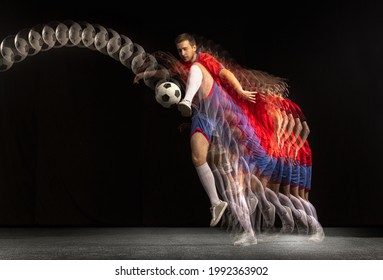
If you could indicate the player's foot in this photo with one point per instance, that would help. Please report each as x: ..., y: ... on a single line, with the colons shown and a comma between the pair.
x: 317, y: 235
x: 217, y: 212
x: 246, y: 239
x: 184, y: 107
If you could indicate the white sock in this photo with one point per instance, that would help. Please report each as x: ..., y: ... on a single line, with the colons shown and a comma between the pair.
x: 193, y: 83
x: 207, y: 180
x: 306, y: 206
x: 297, y: 203
x: 273, y: 198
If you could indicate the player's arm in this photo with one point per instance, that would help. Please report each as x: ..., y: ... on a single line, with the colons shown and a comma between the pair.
x: 296, y: 131
x: 295, y: 136
x: 304, y: 134
x: 289, y: 127
x: 227, y: 75
x: 151, y: 73
x: 278, y: 123
x: 284, y: 124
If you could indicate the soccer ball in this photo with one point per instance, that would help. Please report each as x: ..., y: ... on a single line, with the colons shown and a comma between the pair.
x: 168, y: 94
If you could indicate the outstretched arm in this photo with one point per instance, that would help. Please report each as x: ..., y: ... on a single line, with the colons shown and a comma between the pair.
x: 227, y: 75
x: 152, y: 73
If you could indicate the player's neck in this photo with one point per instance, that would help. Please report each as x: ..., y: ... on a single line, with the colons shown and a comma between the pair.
x: 194, y: 58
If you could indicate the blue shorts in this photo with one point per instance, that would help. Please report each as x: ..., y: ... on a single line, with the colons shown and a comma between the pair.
x: 286, y: 173
x: 268, y: 171
x: 259, y: 160
x: 276, y: 177
x: 302, y: 176
x: 309, y: 174
x: 202, y: 124
x: 295, y: 175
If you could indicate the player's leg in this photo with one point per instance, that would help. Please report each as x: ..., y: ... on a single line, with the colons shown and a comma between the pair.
x: 199, y: 149
x: 192, y: 85
x: 300, y: 216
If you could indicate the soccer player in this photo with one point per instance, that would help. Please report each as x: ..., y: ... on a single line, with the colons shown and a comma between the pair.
x: 304, y: 161
x: 200, y: 70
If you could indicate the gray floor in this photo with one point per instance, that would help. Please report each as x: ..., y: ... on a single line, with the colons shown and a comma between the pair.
x: 132, y: 243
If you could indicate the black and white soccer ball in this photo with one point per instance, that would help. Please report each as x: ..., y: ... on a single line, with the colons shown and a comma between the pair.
x: 168, y: 94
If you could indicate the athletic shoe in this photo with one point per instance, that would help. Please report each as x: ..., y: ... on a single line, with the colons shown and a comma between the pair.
x: 246, y: 239
x: 217, y: 212
x: 185, y: 108
x: 318, y: 233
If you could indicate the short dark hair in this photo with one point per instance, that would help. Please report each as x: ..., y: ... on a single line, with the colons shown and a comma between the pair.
x: 185, y: 36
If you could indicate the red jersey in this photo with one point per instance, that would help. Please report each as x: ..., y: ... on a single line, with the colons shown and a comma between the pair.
x: 305, y: 151
x: 208, y: 61
x: 258, y: 113
x: 297, y: 111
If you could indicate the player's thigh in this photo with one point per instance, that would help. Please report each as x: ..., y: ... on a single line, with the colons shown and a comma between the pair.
x: 199, y: 147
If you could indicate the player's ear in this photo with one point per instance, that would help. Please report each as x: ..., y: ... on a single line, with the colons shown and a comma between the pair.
x: 194, y: 47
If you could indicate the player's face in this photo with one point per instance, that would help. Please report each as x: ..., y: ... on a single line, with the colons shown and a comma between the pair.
x: 186, y: 51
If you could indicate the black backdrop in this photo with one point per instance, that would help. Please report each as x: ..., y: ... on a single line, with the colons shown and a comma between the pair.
x: 81, y: 145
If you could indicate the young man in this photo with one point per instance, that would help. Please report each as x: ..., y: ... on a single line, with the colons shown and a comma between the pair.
x: 201, y: 71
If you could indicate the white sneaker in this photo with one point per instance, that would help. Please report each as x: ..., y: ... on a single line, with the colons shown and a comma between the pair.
x: 246, y: 239
x: 184, y: 107
x: 217, y: 212
x: 318, y: 233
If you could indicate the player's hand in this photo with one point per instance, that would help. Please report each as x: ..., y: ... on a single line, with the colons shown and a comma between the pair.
x: 138, y: 78
x: 248, y: 95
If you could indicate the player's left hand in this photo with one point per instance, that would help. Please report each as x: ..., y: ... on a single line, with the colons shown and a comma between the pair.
x: 248, y: 95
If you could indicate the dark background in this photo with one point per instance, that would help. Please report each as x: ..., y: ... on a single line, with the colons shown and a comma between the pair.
x: 80, y: 145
